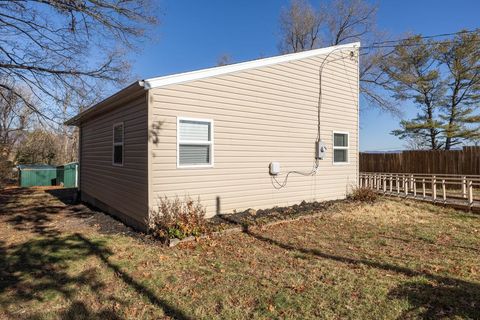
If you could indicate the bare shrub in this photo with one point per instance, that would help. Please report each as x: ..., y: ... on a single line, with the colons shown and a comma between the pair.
x: 363, y: 194
x: 177, y: 218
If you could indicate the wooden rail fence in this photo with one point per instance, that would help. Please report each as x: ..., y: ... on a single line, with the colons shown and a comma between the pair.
x: 461, y: 162
x: 458, y: 190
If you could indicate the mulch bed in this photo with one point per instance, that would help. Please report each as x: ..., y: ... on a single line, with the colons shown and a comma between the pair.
x: 243, y: 221
x: 252, y: 217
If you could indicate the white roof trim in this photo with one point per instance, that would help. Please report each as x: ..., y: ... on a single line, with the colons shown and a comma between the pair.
x: 210, y: 72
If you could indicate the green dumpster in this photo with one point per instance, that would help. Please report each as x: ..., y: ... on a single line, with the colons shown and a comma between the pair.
x: 31, y: 175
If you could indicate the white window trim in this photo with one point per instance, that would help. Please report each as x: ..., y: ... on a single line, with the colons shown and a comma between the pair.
x: 340, y: 148
x: 211, y: 143
x: 114, y: 144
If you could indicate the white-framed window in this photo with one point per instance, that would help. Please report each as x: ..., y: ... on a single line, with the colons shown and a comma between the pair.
x: 194, y: 142
x: 118, y: 147
x: 340, y: 147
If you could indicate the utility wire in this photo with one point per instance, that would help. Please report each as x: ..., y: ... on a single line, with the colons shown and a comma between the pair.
x: 397, y: 43
x: 429, y: 36
x: 411, y: 44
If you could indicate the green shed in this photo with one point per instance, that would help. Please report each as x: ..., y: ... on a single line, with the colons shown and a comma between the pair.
x: 67, y: 174
x: 30, y: 175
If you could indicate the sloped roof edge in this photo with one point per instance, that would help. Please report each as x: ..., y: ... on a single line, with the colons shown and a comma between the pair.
x: 215, y: 71
x: 102, y: 105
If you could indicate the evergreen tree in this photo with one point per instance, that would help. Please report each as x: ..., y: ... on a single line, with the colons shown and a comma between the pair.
x: 443, y: 81
x: 412, y: 70
x: 461, y: 104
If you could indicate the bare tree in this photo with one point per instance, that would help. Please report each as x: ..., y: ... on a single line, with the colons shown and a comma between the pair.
x: 38, y: 146
x: 303, y: 28
x: 14, y: 119
x: 349, y: 20
x: 300, y: 26
x: 57, y: 46
x: 224, y: 59
x: 417, y: 142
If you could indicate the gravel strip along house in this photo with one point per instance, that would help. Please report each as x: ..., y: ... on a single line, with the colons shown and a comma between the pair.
x: 257, y: 134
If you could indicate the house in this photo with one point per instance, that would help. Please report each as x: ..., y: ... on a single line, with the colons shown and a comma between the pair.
x: 220, y: 133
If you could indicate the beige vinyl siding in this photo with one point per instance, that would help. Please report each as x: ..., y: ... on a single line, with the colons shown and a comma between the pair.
x: 260, y: 115
x: 123, y: 188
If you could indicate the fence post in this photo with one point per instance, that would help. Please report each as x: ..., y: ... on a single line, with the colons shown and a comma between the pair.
x: 391, y: 183
x: 397, y: 182
x: 405, y: 185
x: 464, y: 187
x: 470, y: 193
x: 411, y: 182
x: 444, y: 192
x: 423, y: 187
x: 434, y: 188
x: 414, y: 187
x: 384, y: 184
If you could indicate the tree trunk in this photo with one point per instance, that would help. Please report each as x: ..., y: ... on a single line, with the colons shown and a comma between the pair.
x: 448, y: 142
x: 433, y: 134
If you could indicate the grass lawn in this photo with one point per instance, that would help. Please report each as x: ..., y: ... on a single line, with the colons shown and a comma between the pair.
x: 393, y: 259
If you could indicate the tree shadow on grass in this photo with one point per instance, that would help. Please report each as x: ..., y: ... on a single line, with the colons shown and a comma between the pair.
x: 436, y: 300
x: 38, y: 270
x: 31, y: 210
x: 440, y: 296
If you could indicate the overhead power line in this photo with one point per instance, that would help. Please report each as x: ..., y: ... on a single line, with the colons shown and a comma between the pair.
x: 429, y: 36
x: 397, y: 43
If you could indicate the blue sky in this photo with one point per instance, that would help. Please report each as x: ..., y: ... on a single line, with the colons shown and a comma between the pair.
x: 193, y: 34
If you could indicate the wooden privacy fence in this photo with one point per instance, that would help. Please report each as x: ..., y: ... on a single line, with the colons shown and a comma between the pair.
x: 448, y: 189
x: 462, y: 162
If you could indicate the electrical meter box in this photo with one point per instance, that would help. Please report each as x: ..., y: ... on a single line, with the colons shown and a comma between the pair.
x: 274, y: 168
x: 320, y: 150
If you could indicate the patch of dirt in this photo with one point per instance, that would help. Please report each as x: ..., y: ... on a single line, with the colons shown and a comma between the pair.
x: 52, y: 210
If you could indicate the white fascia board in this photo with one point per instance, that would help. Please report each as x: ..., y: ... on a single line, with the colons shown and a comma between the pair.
x: 210, y: 72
